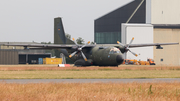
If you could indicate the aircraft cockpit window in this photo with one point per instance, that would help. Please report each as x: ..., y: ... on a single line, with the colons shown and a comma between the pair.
x: 114, y: 50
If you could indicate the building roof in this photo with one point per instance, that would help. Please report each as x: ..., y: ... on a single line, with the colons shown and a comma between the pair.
x: 19, y: 43
x: 166, y: 26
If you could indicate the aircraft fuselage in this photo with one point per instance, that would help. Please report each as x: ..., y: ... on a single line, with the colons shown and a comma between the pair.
x: 100, y: 56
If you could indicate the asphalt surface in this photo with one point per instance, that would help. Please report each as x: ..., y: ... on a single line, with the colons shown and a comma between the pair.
x: 24, y: 81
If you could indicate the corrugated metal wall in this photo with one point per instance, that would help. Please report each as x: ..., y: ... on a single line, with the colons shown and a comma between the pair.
x: 170, y: 54
x: 9, y: 57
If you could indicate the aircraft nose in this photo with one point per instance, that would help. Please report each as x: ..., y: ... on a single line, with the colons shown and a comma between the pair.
x: 119, y: 59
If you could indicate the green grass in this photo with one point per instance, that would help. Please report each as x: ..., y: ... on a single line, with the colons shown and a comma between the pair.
x: 89, y: 74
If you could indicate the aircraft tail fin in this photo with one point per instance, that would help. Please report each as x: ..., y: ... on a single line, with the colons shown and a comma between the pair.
x: 59, y: 34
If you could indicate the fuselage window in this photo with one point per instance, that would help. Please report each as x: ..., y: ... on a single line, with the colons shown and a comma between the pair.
x: 114, y: 50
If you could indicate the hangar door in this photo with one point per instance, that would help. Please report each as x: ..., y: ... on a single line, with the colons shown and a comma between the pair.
x: 31, y: 58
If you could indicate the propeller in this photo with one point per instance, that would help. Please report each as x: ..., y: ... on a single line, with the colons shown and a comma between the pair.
x: 127, y: 47
x: 79, y: 49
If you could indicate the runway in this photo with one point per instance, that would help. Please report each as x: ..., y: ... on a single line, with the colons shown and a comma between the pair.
x: 24, y: 81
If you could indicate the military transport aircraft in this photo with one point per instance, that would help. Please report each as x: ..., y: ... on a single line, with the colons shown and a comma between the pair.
x: 93, y: 54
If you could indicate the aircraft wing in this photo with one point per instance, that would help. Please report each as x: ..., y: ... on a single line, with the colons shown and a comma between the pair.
x: 46, y: 46
x: 152, y: 44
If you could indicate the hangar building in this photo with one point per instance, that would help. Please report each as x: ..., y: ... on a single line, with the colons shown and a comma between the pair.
x: 17, y: 55
x: 164, y: 15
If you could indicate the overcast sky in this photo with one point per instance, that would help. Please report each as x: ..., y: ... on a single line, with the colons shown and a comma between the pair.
x: 33, y: 20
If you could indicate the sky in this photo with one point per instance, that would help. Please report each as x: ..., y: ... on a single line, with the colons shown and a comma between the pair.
x: 33, y: 20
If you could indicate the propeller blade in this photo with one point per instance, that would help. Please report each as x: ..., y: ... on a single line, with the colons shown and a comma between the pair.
x: 74, y: 41
x: 88, y: 42
x: 133, y: 53
x: 120, y: 43
x: 73, y: 54
x: 85, y: 44
x: 79, y: 50
x: 84, y: 56
x: 130, y: 42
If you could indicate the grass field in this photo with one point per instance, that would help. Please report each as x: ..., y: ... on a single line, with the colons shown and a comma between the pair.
x: 54, y: 67
x: 90, y: 74
x: 54, y: 72
x: 90, y: 92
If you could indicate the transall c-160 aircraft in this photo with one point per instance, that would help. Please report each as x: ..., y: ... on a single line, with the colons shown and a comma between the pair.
x: 90, y: 55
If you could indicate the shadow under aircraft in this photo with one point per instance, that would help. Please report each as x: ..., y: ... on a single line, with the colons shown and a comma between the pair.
x: 90, y: 54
